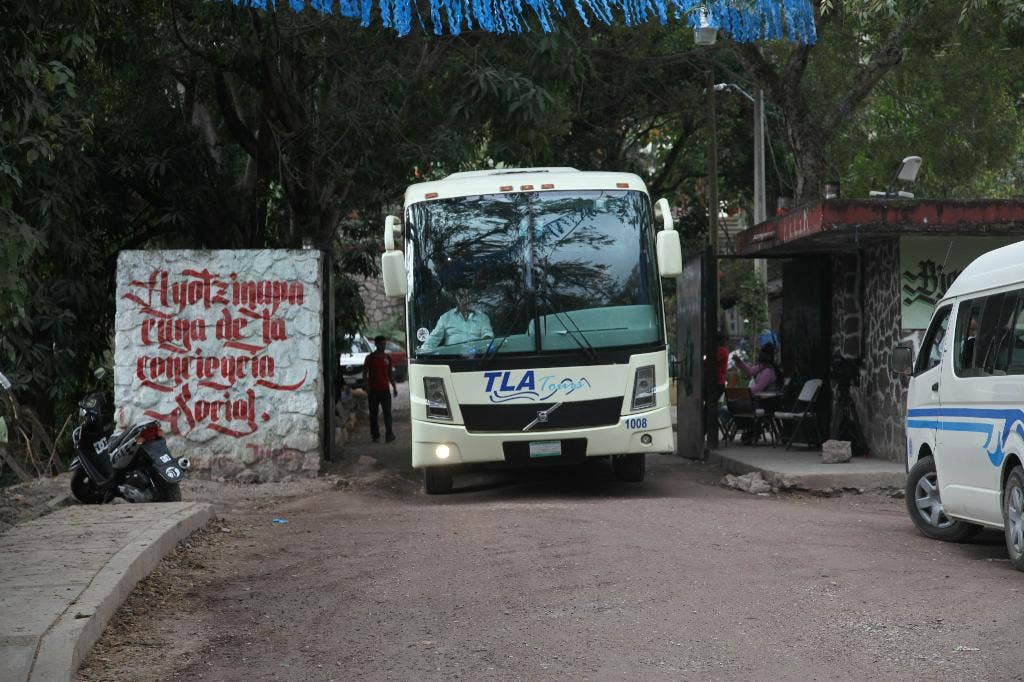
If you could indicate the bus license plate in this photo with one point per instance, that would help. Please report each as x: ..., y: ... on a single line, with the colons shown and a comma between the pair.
x: 545, y: 448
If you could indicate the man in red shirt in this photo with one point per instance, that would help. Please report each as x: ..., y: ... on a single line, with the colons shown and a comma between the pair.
x: 378, y: 372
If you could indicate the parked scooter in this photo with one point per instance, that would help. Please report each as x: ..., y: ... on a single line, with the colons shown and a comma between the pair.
x: 134, y: 464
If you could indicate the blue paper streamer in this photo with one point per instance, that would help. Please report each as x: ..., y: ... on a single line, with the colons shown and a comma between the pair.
x: 746, y: 22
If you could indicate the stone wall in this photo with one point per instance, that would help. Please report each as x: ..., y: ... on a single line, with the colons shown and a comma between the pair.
x: 847, y: 316
x: 224, y: 349
x: 866, y: 323
x: 381, y: 312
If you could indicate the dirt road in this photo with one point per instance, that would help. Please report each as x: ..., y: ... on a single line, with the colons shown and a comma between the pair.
x: 567, y: 575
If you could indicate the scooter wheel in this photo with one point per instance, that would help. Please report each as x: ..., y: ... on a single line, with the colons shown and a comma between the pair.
x: 166, y: 492
x: 84, y: 490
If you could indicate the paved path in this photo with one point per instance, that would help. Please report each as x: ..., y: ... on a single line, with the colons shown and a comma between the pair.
x: 63, y: 575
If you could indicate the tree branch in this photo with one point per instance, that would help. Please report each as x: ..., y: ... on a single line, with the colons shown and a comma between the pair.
x: 888, y: 55
x: 242, y: 134
x: 656, y: 185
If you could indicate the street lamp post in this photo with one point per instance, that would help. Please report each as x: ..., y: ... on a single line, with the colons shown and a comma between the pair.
x: 760, y: 213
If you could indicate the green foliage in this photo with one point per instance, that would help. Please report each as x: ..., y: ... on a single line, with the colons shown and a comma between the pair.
x: 960, y: 107
x: 44, y: 43
x: 140, y: 123
x: 887, y: 74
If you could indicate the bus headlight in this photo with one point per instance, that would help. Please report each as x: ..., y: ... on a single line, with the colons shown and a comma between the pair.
x: 437, y: 398
x: 643, y: 388
x: 442, y: 451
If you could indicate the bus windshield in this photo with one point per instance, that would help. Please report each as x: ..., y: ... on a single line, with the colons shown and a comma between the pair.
x: 532, y: 272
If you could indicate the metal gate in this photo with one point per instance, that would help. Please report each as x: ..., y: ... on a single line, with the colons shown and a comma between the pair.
x: 695, y: 328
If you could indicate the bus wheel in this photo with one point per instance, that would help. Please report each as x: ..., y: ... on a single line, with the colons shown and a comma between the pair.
x: 437, y: 480
x: 630, y: 468
x: 925, y: 506
x: 1013, y: 517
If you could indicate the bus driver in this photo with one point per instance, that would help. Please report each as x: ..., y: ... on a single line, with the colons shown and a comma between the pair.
x: 460, y: 324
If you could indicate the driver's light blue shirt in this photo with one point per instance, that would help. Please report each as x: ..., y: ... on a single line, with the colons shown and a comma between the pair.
x: 453, y: 328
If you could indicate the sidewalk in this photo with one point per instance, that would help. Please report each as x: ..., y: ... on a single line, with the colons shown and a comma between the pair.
x: 62, y: 576
x: 803, y: 469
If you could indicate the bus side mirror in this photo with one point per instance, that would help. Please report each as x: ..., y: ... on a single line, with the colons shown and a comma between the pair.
x: 902, y: 360
x: 392, y: 263
x: 670, y: 254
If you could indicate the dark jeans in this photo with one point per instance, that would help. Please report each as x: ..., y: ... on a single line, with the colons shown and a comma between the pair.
x: 383, y: 400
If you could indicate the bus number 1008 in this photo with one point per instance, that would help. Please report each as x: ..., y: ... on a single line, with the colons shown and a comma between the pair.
x: 636, y: 423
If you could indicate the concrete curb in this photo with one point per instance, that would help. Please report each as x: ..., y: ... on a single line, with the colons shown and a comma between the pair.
x: 787, y: 471
x: 73, y: 634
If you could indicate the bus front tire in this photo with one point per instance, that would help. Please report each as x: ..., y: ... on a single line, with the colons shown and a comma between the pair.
x: 1013, y: 517
x: 630, y: 468
x: 925, y: 506
x: 437, y: 480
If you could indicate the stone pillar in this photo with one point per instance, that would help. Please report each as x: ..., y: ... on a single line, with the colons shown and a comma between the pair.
x: 880, y: 399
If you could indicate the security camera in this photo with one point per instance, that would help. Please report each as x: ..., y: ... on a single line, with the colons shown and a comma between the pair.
x: 905, y: 173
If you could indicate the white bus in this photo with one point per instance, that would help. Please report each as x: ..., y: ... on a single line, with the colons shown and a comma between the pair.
x: 965, y: 407
x: 535, y: 319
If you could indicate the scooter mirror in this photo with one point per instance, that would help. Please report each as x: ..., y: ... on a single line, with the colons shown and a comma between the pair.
x: 99, y: 373
x: 5, y: 382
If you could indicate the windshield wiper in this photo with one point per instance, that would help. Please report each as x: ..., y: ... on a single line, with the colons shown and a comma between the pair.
x: 493, y: 349
x: 588, y: 348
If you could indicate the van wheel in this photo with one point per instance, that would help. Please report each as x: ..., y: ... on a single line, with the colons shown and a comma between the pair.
x: 437, y: 480
x: 925, y: 506
x: 630, y: 468
x: 1013, y: 517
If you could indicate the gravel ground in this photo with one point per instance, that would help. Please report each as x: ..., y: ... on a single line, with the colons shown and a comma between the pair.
x: 568, y: 574
x: 563, y: 574
x: 26, y: 501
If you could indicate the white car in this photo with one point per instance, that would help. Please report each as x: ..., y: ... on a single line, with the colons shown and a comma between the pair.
x: 354, y: 350
x: 965, y: 407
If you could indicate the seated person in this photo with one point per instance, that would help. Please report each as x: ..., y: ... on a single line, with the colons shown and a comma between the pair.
x: 460, y: 324
x: 764, y: 375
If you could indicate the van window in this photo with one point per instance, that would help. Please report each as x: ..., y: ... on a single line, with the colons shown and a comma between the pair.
x: 985, y: 335
x: 995, y: 325
x: 967, y: 316
x: 931, y: 349
x: 996, y: 332
x: 1016, y: 350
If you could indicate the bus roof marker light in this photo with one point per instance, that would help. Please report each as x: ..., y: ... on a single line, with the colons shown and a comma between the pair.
x: 526, y: 187
x: 547, y: 185
x: 430, y: 195
x: 505, y: 188
x: 622, y: 185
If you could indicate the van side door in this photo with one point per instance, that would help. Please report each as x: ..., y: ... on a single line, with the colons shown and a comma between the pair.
x: 979, y: 400
x: 923, y: 393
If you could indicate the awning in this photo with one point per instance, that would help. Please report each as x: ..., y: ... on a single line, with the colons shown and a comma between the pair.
x: 846, y: 225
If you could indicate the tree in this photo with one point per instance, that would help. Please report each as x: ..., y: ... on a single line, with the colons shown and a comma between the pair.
x: 44, y: 45
x: 821, y: 88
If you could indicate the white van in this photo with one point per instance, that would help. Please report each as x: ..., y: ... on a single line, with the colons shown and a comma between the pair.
x: 965, y: 407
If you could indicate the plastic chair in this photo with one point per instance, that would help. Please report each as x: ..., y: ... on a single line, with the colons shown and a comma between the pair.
x: 804, y: 414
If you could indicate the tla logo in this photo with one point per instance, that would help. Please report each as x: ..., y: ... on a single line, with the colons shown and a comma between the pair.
x: 505, y: 386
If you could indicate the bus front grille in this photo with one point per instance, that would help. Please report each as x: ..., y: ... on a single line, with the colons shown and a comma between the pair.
x: 541, y: 417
